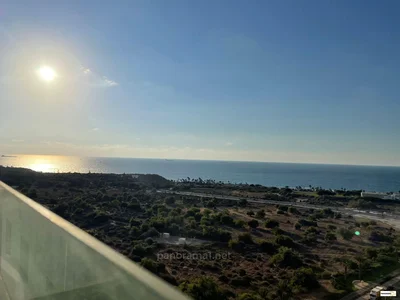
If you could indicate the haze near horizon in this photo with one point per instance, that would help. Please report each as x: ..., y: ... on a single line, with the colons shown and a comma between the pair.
x: 276, y: 81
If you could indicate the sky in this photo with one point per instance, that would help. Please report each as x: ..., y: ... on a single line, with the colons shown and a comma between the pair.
x: 281, y: 81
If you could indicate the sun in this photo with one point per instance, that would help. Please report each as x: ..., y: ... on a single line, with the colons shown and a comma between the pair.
x: 46, y: 73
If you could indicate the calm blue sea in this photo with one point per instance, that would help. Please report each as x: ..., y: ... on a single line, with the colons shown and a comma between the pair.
x: 369, y: 178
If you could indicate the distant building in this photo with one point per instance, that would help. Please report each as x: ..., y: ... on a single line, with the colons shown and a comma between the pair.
x: 385, y: 196
x: 302, y: 200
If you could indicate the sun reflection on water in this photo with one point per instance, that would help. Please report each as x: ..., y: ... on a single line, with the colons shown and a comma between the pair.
x: 47, y: 163
x: 43, y: 167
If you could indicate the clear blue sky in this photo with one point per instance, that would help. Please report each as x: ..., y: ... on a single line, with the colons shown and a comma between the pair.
x: 296, y: 81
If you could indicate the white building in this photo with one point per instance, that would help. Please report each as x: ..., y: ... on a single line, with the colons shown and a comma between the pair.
x: 385, y: 196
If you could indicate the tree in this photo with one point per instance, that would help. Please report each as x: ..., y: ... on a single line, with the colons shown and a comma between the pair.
x: 253, y: 223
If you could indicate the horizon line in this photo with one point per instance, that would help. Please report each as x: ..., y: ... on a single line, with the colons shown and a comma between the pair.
x: 210, y: 160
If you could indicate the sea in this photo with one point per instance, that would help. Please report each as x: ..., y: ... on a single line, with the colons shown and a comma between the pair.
x: 351, y: 177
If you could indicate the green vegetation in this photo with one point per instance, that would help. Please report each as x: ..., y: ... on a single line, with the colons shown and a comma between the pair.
x: 286, y: 258
x: 276, y: 252
x: 203, y: 288
x: 271, y: 223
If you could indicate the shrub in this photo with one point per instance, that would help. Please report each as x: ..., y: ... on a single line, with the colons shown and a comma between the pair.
x: 268, y: 247
x: 253, y: 223
x: 284, y: 240
x: 203, y: 288
x: 170, y: 200
x: 346, y: 234
x: 283, y: 207
x: 297, y: 226
x: 277, y: 231
x: 331, y: 227
x: 243, y: 202
x: 330, y: 236
x: 286, y: 258
x: 227, y: 220
x: 152, y: 232
x: 139, y: 250
x: 245, y: 238
x: 214, y: 233
x: 325, y: 275
x: 337, y: 215
x: 310, y: 230
x: 364, y: 224
x: 293, y: 210
x: 149, y: 241
x: 305, y: 279
x: 236, y: 245
x: 249, y: 296
x: 371, y: 253
x: 134, y: 231
x: 386, y: 259
x: 250, y: 213
x: 239, y: 223
x: 309, y: 239
x: 150, y: 265
x: 260, y: 214
x: 328, y: 212
x: 271, y: 223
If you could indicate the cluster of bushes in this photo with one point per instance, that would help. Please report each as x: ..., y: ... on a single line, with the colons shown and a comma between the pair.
x: 286, y: 258
x: 203, y: 288
x: 270, y: 223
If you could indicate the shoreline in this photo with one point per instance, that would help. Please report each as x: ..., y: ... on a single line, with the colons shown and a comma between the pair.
x: 304, y: 187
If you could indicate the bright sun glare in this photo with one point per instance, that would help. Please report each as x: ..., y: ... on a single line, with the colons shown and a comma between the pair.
x: 46, y: 73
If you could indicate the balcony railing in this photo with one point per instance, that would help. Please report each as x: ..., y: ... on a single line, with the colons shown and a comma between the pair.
x: 44, y: 257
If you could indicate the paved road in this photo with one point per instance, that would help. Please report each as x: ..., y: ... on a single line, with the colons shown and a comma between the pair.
x: 391, y: 219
